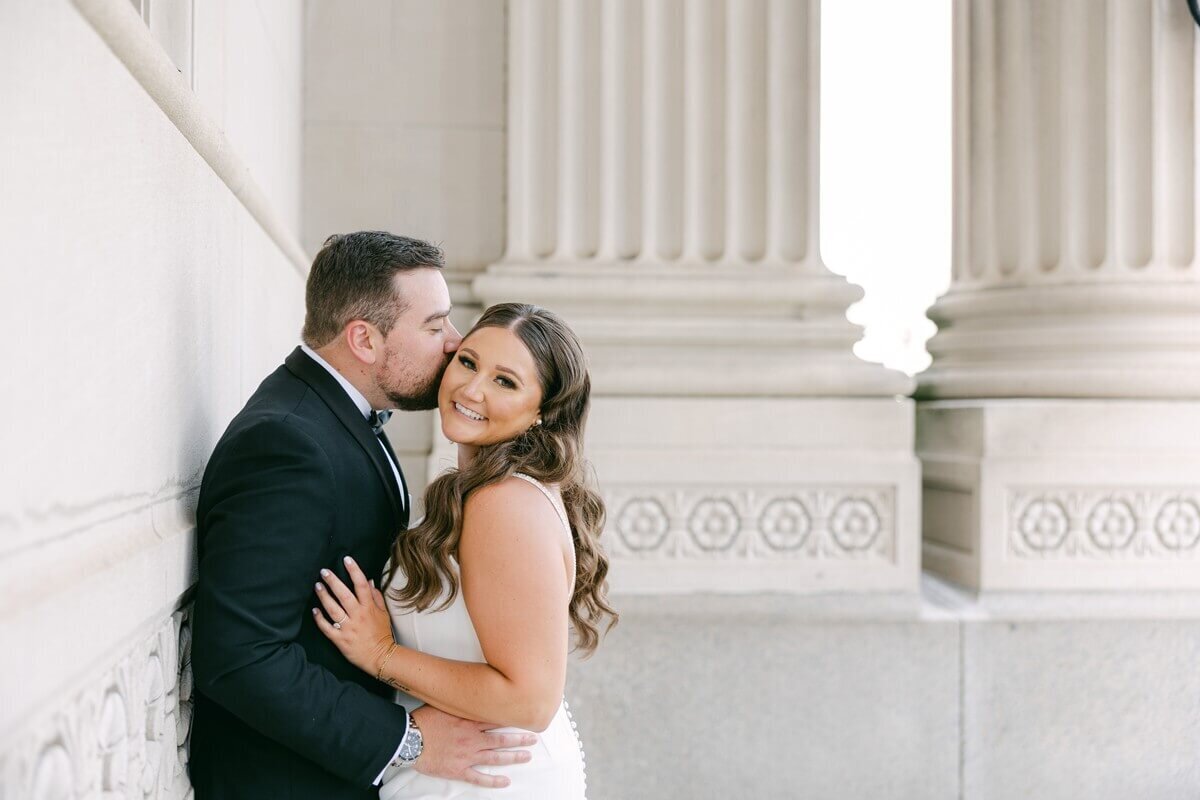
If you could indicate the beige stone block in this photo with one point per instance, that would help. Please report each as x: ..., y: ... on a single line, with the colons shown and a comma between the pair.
x: 208, y: 58
x: 263, y: 113
x: 283, y: 31
x: 443, y: 185
x: 1102, y: 709
x: 272, y: 299
x: 350, y: 176
x: 248, y: 77
x: 448, y: 62
x: 348, y: 74
x: 449, y: 187
x: 802, y: 707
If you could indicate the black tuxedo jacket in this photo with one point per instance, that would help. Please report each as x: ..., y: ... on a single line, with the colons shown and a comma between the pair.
x: 297, y: 482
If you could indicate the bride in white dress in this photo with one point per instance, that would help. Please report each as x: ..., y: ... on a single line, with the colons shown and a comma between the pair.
x: 483, y: 594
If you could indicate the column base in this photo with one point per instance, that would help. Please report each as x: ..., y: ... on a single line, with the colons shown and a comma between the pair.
x: 1093, y: 495
x: 1099, y: 340
x: 759, y: 494
x: 704, y: 330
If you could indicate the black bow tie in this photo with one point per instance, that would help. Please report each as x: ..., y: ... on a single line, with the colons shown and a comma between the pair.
x: 378, y: 419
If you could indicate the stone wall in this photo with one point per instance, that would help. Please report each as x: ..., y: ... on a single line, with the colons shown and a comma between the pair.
x: 151, y: 277
x: 404, y: 105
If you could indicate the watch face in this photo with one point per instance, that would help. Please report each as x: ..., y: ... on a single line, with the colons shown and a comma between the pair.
x: 410, y: 748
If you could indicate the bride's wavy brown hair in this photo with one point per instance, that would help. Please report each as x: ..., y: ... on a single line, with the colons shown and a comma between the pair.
x: 551, y: 452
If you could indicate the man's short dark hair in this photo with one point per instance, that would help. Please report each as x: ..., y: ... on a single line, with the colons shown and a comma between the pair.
x: 353, y: 278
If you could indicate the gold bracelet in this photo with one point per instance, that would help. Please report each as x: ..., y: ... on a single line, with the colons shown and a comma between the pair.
x: 382, y: 664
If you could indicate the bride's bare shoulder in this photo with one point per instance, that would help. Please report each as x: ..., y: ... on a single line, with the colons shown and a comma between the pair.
x: 508, y: 506
x: 509, y: 526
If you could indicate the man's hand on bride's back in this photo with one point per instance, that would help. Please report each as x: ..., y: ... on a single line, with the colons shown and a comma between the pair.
x: 453, y: 747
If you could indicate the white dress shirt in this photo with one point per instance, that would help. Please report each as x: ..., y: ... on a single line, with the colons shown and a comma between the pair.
x: 365, y: 407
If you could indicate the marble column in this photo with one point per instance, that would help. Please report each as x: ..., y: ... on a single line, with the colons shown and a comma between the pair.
x: 663, y: 196
x: 1060, y: 432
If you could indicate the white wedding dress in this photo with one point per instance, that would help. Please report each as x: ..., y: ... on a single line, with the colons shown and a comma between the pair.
x: 556, y: 771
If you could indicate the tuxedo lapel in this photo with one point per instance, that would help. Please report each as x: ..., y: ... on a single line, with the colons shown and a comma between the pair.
x: 406, y: 511
x: 352, y: 420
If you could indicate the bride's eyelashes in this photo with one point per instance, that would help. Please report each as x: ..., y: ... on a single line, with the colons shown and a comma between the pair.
x: 500, y: 379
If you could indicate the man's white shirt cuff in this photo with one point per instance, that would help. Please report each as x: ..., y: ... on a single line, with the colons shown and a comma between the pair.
x: 395, y: 755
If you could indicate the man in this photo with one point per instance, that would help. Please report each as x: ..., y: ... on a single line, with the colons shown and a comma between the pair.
x: 302, y: 478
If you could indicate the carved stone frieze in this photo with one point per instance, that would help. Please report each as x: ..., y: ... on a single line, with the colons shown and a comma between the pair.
x: 785, y: 522
x: 1124, y: 524
x: 123, y: 735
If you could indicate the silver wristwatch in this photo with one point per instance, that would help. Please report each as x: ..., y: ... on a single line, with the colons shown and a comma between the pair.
x: 410, y: 747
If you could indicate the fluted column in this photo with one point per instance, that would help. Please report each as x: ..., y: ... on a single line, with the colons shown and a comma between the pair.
x: 1075, y: 265
x: 641, y: 131
x: 1060, y: 425
x: 663, y: 160
x: 663, y: 197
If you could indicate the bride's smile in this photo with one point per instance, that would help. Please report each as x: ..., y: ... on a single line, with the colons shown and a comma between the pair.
x: 468, y: 413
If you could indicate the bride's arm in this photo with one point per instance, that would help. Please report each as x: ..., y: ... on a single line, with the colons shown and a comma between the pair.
x: 514, y: 582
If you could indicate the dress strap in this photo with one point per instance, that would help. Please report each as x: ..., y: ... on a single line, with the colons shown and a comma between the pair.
x: 562, y: 515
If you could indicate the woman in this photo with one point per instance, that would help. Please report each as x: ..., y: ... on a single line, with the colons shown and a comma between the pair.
x: 481, y: 594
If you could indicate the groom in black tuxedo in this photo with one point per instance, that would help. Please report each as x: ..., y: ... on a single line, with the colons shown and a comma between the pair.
x: 303, y: 477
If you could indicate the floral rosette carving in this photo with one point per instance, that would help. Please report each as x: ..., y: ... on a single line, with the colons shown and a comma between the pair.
x: 714, y: 525
x: 854, y: 524
x: 54, y: 775
x: 785, y: 524
x: 1178, y: 524
x: 643, y: 524
x: 1112, y: 524
x: 1044, y: 525
x: 124, y: 736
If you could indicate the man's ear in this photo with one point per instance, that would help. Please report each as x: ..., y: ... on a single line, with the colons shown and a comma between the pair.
x: 363, y: 340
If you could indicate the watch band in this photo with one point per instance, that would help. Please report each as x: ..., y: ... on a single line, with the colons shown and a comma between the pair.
x: 411, y: 746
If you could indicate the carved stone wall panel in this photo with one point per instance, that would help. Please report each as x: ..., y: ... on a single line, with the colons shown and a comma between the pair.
x: 1062, y: 495
x: 123, y: 735
x: 780, y: 523
x: 798, y: 496
x: 1126, y: 524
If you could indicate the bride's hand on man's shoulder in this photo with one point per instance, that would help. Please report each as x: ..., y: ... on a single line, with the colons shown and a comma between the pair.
x: 355, y: 619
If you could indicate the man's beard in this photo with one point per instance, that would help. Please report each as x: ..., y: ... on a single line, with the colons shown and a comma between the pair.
x: 423, y: 399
